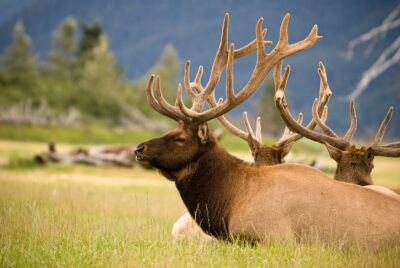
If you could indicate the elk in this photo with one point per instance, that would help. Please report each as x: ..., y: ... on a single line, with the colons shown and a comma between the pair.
x: 263, y: 154
x: 231, y: 199
x: 354, y: 165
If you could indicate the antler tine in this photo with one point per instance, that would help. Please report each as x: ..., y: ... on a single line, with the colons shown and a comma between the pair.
x: 288, y: 136
x: 258, y: 129
x: 321, y: 124
x: 384, y: 151
x: 171, y: 113
x: 382, y: 128
x: 394, y: 145
x: 257, y: 138
x: 324, y: 91
x: 277, y: 75
x: 260, y: 41
x: 251, y: 47
x: 230, y: 92
x: 188, y: 88
x: 291, y: 123
x: 390, y: 149
x: 353, y: 123
x: 150, y: 97
x: 172, y: 110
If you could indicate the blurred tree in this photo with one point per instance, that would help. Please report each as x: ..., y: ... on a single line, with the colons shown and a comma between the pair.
x: 61, y: 71
x: 82, y: 75
x: 271, y: 121
x: 62, y: 58
x: 101, y: 83
x: 91, y: 35
x: 168, y: 68
x: 19, y: 70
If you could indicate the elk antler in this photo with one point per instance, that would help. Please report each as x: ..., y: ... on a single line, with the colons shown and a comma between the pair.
x: 265, y: 62
x: 329, y: 136
x: 324, y: 95
x: 391, y: 149
x: 257, y: 138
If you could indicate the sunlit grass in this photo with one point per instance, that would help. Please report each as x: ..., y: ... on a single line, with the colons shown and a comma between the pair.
x: 82, y: 135
x: 79, y: 224
x: 80, y: 216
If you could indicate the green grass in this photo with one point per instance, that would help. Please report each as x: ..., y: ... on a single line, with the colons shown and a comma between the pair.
x: 18, y: 162
x: 92, y: 135
x: 52, y: 222
x: 83, y: 216
x: 83, y: 135
x: 101, y: 135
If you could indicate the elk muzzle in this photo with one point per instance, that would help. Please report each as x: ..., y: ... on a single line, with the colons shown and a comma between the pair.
x: 138, y: 150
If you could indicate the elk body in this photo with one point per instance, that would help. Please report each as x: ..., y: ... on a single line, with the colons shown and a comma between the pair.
x: 229, y: 198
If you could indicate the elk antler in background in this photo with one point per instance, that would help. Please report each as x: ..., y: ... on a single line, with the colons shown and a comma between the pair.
x: 353, y: 165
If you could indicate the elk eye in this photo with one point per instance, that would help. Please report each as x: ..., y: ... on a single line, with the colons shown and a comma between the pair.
x: 181, y: 140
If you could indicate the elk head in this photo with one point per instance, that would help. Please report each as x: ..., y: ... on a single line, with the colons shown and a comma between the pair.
x: 177, y: 148
x: 262, y: 153
x: 354, y: 165
x: 182, y: 145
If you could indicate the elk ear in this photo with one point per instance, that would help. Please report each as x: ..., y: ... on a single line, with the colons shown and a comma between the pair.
x: 203, y: 133
x: 369, y: 155
x: 335, y: 153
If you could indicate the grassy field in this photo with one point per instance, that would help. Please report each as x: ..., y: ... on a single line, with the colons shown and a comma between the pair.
x: 81, y: 216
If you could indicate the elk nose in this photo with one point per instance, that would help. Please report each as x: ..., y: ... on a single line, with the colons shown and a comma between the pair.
x: 139, y: 149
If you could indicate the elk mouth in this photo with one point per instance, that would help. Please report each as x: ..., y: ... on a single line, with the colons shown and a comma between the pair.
x: 140, y: 158
x: 138, y: 153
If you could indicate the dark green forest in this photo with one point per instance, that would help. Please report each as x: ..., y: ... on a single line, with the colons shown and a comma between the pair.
x: 78, y: 83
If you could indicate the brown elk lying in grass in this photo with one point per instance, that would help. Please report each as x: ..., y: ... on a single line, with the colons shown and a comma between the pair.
x: 263, y: 154
x: 354, y: 165
x: 231, y: 199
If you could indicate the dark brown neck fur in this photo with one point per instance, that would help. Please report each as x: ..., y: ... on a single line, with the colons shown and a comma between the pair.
x: 208, y: 188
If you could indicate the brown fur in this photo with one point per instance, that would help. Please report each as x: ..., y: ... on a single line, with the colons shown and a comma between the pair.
x: 353, y: 165
x: 268, y: 155
x: 229, y: 198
